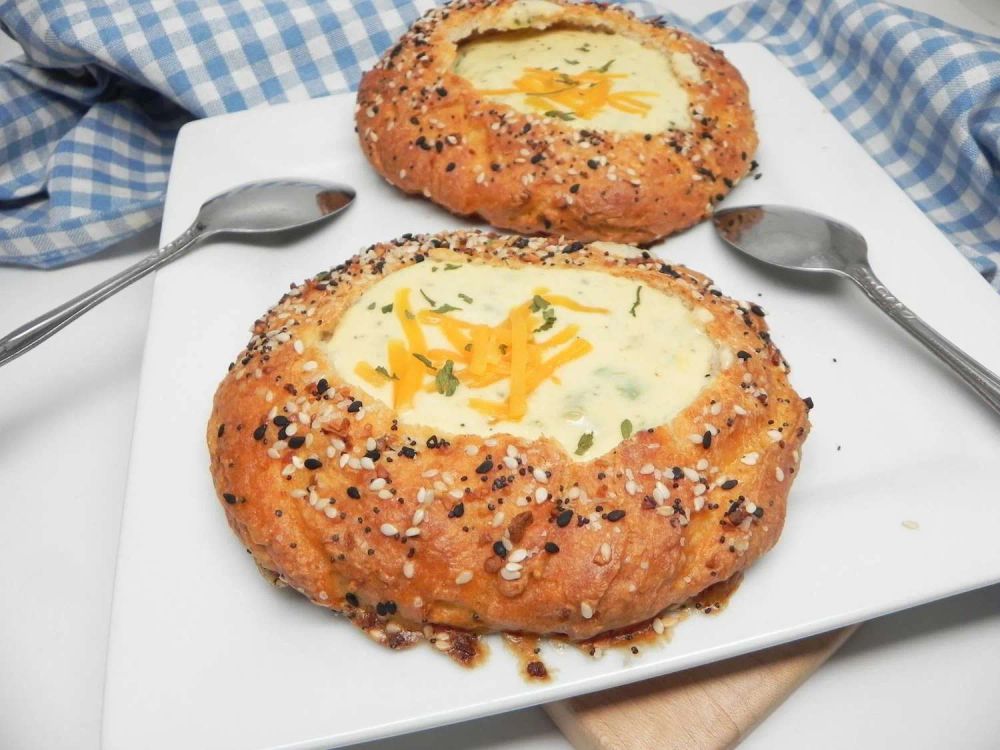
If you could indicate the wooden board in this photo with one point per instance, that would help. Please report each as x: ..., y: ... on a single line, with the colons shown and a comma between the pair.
x: 708, y: 708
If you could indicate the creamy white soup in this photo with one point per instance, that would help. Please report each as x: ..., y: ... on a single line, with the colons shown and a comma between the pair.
x: 580, y: 356
x: 586, y: 78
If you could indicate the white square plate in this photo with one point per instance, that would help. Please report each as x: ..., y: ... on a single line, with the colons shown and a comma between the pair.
x: 204, y: 654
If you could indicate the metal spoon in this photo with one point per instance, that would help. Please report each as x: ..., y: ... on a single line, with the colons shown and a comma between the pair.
x: 796, y: 239
x: 254, y: 208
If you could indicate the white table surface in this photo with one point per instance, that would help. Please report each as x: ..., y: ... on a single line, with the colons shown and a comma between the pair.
x: 925, y: 678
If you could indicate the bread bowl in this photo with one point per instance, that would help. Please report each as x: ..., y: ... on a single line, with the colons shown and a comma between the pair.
x: 546, y: 116
x: 494, y: 433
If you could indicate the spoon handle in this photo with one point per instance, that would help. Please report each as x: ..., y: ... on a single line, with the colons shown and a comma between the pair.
x: 983, y: 381
x: 34, y: 332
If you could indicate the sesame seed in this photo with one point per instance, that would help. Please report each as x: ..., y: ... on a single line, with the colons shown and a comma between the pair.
x: 779, y: 474
x: 388, y: 529
x: 541, y: 495
x: 413, y: 531
x: 658, y: 626
x: 586, y: 611
x: 509, y: 575
x: 376, y: 484
x: 911, y: 525
x: 616, y: 515
x: 775, y: 435
x: 313, y: 463
x: 298, y: 346
x: 310, y: 366
x: 408, y: 569
x: 464, y: 577
x: 539, y: 475
x: 551, y: 547
x: 563, y: 519
x: 750, y: 459
x: 518, y: 555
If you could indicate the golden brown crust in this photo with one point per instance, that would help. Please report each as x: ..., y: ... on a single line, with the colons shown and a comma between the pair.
x: 385, y: 520
x: 427, y: 131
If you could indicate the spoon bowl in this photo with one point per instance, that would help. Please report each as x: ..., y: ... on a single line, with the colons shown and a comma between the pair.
x: 272, y: 206
x: 792, y: 238
x: 800, y: 240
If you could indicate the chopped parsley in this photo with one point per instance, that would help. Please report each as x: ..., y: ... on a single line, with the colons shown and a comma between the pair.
x: 465, y: 298
x: 635, y: 304
x: 626, y: 429
x: 446, y: 380
x: 431, y: 302
x: 452, y: 266
x: 548, y: 319
x: 445, y: 308
x: 604, y: 68
x: 385, y: 373
x: 570, y: 62
x: 371, y: 306
x: 424, y: 359
x: 539, y: 303
x: 584, y: 443
x: 387, y: 308
x: 560, y: 115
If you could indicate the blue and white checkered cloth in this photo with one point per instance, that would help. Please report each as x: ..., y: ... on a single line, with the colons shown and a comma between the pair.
x: 89, y: 113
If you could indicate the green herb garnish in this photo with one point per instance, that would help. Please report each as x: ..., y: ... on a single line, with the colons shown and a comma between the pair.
x: 452, y: 266
x: 465, y: 298
x: 371, y: 306
x: 385, y: 373
x: 604, y: 68
x: 570, y: 62
x: 445, y: 308
x: 566, y: 116
x: 446, y: 380
x: 635, y: 304
x: 430, y: 302
x: 387, y: 308
x: 548, y: 320
x: 539, y: 303
x: 584, y: 443
x: 424, y: 359
x: 626, y: 429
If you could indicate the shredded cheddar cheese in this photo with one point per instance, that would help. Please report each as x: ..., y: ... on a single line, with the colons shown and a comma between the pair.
x: 482, y: 355
x: 579, y: 94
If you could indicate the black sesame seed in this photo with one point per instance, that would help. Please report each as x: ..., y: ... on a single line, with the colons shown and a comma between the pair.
x: 222, y: 431
x: 551, y: 547
x: 593, y: 163
x: 537, y: 158
x: 380, y: 609
x: 485, y: 466
x: 313, y: 463
x: 352, y: 599
x: 296, y: 441
x: 282, y: 421
x: 229, y: 498
x: 808, y: 402
x: 354, y: 407
x: 322, y: 386
x: 616, y: 515
x: 407, y: 452
x: 706, y: 439
x: 354, y: 493
x: 457, y: 511
x: 564, y: 518
x: 450, y: 167
x: 499, y: 550
x: 259, y: 433
x: 757, y: 310
x: 374, y: 455
x: 729, y: 484
x: 743, y: 354
x: 575, y: 188
x: 441, y: 91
